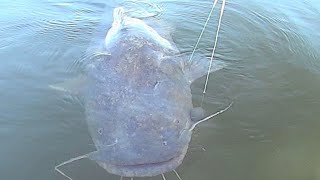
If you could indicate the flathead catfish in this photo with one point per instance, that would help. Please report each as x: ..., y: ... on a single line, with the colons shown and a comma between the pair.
x: 138, y: 100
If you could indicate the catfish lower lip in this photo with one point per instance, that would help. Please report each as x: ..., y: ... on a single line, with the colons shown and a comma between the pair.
x: 146, y: 164
x: 145, y: 170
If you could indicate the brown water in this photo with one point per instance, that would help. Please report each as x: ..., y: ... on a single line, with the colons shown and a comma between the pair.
x: 273, y: 78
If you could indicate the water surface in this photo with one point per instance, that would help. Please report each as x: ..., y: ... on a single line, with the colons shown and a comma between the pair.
x: 273, y: 78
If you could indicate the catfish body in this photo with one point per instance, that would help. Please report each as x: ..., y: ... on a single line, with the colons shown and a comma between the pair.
x: 138, y: 100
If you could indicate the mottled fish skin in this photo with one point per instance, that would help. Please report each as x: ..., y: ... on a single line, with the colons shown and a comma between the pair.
x: 138, y: 100
x: 138, y: 104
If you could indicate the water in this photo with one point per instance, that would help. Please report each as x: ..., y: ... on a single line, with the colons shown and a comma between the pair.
x: 273, y: 78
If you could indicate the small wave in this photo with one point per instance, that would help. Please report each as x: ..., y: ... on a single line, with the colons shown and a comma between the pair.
x: 142, y: 9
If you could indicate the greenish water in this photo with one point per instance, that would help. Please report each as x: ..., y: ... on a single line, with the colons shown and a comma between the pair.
x: 273, y: 78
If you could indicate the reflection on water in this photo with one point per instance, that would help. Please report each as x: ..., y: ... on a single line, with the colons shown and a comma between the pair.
x: 273, y: 78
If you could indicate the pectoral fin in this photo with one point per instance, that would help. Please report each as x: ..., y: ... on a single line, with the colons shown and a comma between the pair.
x: 74, y: 86
x: 197, y: 114
x: 200, y: 67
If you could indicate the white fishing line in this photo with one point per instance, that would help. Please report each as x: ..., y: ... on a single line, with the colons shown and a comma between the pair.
x: 214, y: 46
x: 204, y: 27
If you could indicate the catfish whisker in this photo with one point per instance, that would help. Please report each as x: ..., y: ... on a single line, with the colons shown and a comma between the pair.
x: 177, y: 174
x: 196, y: 148
x: 108, y: 145
x: 121, y: 177
x: 209, y: 117
x: 163, y: 177
x: 99, y: 55
x: 67, y: 162
x: 63, y: 174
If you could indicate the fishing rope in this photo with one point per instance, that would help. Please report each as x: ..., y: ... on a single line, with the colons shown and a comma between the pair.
x: 214, y: 46
x: 204, y: 27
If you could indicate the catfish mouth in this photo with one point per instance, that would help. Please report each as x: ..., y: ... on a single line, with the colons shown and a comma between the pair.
x: 147, y: 169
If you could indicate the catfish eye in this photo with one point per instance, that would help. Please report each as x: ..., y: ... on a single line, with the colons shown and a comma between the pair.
x: 164, y: 143
x: 100, y: 131
x: 176, y: 121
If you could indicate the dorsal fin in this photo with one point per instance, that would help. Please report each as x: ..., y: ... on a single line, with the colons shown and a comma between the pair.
x: 199, y: 67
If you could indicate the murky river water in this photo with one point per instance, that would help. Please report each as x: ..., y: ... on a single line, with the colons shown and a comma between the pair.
x: 273, y: 78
